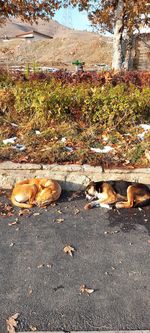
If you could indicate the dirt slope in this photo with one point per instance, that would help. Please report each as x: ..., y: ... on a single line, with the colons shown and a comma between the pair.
x: 66, y: 46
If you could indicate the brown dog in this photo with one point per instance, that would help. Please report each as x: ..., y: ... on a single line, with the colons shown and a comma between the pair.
x: 35, y: 191
x: 113, y: 192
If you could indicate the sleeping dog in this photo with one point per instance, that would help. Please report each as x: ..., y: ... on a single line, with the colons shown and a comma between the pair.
x: 120, y: 193
x: 35, y: 191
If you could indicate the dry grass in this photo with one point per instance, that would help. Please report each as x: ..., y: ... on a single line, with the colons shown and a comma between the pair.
x: 59, y: 51
x: 50, y: 147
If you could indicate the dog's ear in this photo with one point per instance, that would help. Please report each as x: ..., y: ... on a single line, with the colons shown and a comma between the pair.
x: 91, y: 183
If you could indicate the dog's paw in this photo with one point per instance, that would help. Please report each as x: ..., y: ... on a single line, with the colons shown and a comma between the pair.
x: 88, y: 206
x: 107, y: 206
x: 119, y: 205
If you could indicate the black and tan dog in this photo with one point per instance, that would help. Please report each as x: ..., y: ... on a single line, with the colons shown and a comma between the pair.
x: 121, y: 194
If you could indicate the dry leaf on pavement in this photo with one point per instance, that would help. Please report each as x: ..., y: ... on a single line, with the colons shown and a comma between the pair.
x: 69, y: 250
x: 23, y: 212
x: 13, y: 223
x: 11, y: 244
x: 33, y: 328
x: 74, y: 196
x: 11, y: 323
x: 59, y: 220
x: 59, y: 211
x: 76, y: 211
x: 85, y: 290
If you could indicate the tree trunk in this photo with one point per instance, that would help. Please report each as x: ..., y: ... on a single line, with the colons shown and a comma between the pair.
x: 129, y: 51
x: 117, y: 38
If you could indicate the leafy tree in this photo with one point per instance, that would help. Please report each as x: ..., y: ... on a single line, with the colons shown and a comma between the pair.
x: 119, y: 17
x: 27, y: 10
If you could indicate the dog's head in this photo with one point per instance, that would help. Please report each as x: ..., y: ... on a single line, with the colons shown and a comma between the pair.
x: 92, y: 190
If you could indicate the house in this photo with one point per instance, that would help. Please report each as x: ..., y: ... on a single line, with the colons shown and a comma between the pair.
x: 36, y: 35
x: 19, y: 30
x: 141, y: 52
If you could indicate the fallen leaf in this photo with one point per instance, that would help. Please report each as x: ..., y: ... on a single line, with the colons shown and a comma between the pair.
x: 33, y: 328
x: 59, y: 220
x: 10, y: 214
x: 40, y: 266
x: 59, y: 211
x: 6, y: 210
x: 11, y: 244
x: 69, y: 250
x: 111, y: 232
x: 85, y: 290
x: 30, y: 290
x: 11, y: 323
x: 23, y: 212
x: 23, y: 159
x: 8, y: 207
x: 76, y: 211
x: 49, y: 265
x: 74, y: 196
x: 12, y: 223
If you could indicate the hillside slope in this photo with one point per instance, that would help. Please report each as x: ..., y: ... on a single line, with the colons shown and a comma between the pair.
x: 66, y: 46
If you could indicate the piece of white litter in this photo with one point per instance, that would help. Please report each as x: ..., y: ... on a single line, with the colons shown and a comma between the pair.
x: 20, y: 147
x: 69, y: 148
x: 146, y: 127
x: 10, y: 140
x: 14, y: 125
x: 63, y: 139
x: 141, y: 135
x: 105, y: 150
x: 37, y: 132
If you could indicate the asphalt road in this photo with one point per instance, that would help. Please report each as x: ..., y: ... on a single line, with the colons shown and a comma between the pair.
x: 42, y: 283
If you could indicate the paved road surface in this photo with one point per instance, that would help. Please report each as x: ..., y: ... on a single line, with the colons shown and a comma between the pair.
x: 41, y: 282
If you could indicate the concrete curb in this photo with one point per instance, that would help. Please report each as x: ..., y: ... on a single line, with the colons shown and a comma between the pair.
x: 72, y: 177
x: 130, y: 331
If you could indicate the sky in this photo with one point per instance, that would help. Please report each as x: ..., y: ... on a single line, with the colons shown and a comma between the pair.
x: 73, y: 19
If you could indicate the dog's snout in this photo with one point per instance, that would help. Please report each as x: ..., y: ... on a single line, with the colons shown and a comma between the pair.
x: 88, y: 197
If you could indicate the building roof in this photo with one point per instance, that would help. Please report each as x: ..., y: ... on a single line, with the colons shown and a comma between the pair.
x: 32, y: 32
x: 15, y: 27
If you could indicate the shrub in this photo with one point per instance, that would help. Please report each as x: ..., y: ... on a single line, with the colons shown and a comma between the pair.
x: 119, y: 107
x: 39, y: 102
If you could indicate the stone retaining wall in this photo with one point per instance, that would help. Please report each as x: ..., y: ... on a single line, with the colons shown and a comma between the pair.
x: 71, y: 177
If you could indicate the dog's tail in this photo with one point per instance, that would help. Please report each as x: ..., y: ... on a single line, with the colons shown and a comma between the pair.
x: 20, y: 204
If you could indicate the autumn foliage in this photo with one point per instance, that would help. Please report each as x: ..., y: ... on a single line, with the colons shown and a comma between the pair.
x: 102, y: 13
x: 27, y: 10
x: 82, y: 109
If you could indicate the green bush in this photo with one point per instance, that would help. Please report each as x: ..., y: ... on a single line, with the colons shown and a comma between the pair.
x: 118, y: 107
x: 40, y: 102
